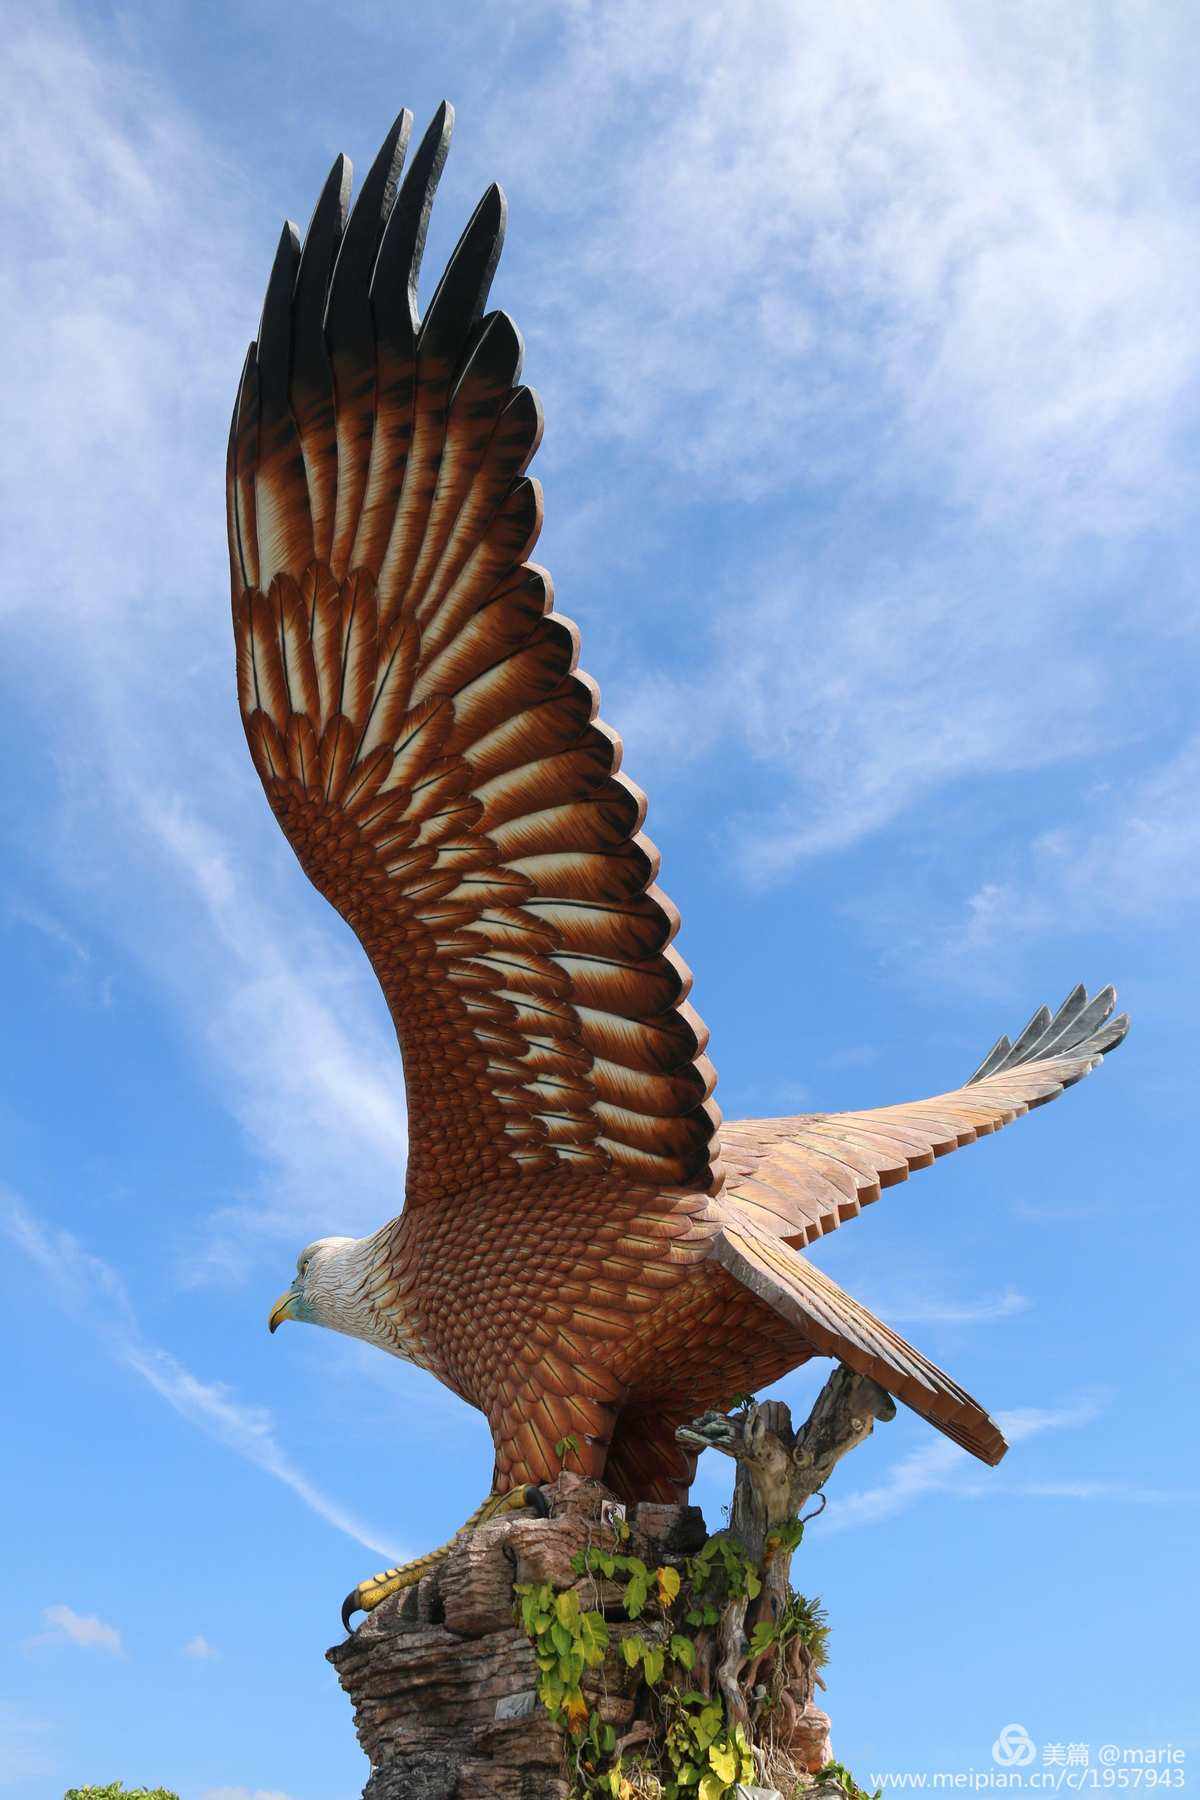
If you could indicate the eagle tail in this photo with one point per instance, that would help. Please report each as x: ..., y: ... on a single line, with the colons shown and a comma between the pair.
x: 838, y: 1326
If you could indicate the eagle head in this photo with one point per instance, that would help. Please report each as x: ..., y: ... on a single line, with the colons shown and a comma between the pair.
x: 333, y: 1287
x: 320, y: 1275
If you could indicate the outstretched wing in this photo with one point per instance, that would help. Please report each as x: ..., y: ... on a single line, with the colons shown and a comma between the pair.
x: 800, y: 1178
x: 839, y: 1326
x: 415, y: 712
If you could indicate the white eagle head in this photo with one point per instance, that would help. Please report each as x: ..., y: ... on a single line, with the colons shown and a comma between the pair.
x: 333, y: 1287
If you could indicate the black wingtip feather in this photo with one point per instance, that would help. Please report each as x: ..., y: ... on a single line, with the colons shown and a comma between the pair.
x: 398, y: 265
x: 322, y: 241
x: 462, y: 292
x: 1081, y: 1027
x: 347, y: 315
x: 275, y: 327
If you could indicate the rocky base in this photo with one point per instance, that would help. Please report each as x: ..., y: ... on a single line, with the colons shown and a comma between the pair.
x: 443, y: 1681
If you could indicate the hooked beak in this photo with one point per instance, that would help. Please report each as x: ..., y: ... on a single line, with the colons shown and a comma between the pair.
x: 282, y: 1308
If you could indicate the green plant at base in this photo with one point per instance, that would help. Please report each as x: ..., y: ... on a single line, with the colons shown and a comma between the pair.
x: 699, y: 1755
x: 838, y: 1772
x: 566, y: 1641
x: 706, y: 1758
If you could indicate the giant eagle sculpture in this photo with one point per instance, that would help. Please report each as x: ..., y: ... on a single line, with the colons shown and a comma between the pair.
x: 586, y: 1251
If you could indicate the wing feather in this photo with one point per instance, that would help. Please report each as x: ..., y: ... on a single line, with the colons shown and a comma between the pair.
x: 803, y: 1177
x: 416, y: 713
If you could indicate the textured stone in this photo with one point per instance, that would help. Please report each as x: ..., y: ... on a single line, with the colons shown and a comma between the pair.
x: 476, y: 1581
x: 516, y: 1706
x: 810, y: 1745
x: 676, y: 1530
x: 443, y: 1680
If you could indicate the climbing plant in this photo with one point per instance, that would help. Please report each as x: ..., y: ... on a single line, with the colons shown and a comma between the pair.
x: 690, y: 1745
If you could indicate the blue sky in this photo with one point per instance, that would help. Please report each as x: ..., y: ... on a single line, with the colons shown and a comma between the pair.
x: 867, y: 342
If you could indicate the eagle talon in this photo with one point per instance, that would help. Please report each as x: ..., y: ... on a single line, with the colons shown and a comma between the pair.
x: 376, y: 1588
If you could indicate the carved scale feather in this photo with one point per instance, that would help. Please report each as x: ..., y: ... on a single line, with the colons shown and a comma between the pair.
x: 573, y: 1257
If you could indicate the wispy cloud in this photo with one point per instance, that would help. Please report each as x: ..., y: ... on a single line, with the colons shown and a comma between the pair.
x: 955, y: 246
x: 65, y: 1626
x: 244, y: 1793
x: 200, y: 1650
x: 930, y: 299
x: 25, y: 1745
x: 854, y: 1056
x: 118, y: 410
x: 1132, y: 858
x: 929, y: 1310
x: 94, y: 1293
x: 940, y: 1467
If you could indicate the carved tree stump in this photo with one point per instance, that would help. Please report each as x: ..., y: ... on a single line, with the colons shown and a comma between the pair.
x: 778, y: 1470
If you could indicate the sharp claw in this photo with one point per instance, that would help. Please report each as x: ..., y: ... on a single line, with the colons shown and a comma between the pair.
x: 534, y: 1497
x: 351, y: 1604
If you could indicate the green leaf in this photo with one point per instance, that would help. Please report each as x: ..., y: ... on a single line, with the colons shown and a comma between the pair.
x: 593, y: 1637
x: 631, y: 1649
x: 561, y: 1638
x: 723, y: 1759
x: 567, y: 1607
x: 550, y: 1693
x: 762, y: 1637
x: 711, y: 1787
x: 709, y: 1723
x: 652, y: 1664
x: 668, y: 1584
x: 636, y: 1595
x: 753, y: 1584
x: 683, y: 1650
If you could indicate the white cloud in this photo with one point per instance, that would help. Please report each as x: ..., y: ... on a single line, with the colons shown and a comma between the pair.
x: 1134, y: 858
x: 940, y: 1467
x: 66, y: 1626
x: 95, y: 1294
x: 122, y: 379
x: 961, y: 238
x: 244, y: 1793
x: 855, y: 1056
x: 200, y: 1649
x: 929, y: 1310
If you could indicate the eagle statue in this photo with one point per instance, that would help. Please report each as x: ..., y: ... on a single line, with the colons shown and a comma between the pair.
x: 586, y: 1252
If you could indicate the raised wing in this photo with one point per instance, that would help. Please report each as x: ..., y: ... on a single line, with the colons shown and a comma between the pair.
x: 800, y: 1178
x: 415, y: 712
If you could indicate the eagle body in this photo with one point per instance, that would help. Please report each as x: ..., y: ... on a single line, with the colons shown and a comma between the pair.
x: 586, y: 1252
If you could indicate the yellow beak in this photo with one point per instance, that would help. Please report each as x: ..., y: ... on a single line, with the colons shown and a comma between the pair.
x: 282, y: 1309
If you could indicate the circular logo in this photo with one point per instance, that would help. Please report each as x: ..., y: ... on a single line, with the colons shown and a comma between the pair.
x: 1014, y: 1748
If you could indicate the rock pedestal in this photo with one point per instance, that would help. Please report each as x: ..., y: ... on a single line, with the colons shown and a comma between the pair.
x: 443, y: 1680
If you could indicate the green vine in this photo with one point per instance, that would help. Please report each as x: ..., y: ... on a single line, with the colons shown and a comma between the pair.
x: 839, y: 1773
x: 697, y: 1753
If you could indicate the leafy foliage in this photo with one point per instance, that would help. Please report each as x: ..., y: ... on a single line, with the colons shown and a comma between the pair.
x: 838, y: 1772
x: 116, y: 1790
x: 697, y: 1753
x: 802, y: 1618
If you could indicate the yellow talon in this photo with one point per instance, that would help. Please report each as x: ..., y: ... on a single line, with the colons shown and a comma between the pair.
x: 368, y: 1594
